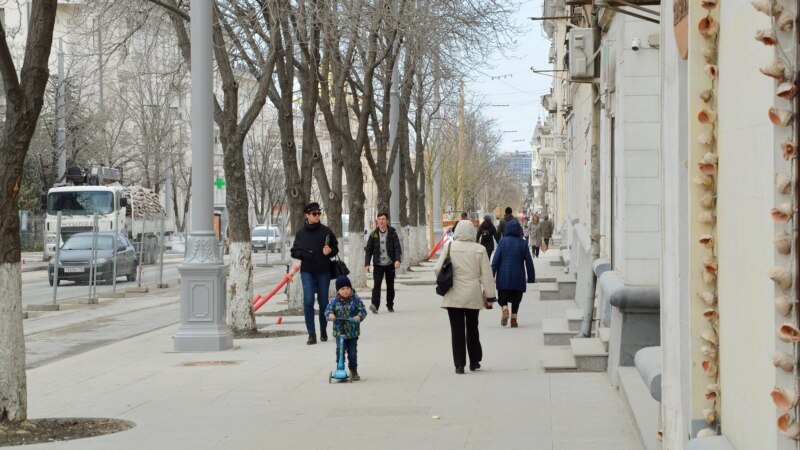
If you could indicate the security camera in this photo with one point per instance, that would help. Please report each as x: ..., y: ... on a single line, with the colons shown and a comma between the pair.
x: 636, y: 44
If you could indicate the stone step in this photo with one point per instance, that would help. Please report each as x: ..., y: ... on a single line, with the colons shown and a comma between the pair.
x: 558, y: 359
x: 575, y: 319
x: 644, y: 410
x: 556, y: 331
x: 565, y: 291
x: 556, y: 262
x: 417, y: 282
x: 605, y: 335
x: 590, y: 354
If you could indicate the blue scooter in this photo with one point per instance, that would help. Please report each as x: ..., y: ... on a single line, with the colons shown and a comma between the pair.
x: 340, y: 373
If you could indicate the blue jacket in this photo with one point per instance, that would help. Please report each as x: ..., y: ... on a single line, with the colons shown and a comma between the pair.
x: 509, y: 257
x: 345, y: 308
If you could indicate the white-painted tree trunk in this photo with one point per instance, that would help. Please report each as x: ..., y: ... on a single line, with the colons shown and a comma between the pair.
x: 13, y: 383
x: 408, y: 245
x: 240, y: 288
x: 422, y: 236
x: 295, y: 294
x: 355, y: 261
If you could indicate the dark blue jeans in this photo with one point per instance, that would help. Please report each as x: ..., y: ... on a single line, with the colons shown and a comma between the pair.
x: 351, y: 348
x: 315, y: 283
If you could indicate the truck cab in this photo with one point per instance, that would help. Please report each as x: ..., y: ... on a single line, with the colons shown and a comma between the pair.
x: 78, y: 205
x: 135, y: 211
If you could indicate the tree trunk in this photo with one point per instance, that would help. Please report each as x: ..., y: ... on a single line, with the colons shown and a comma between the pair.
x: 24, y: 102
x: 240, y: 281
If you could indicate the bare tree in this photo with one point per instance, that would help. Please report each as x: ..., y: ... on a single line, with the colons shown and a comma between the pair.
x: 24, y: 97
x: 265, y: 184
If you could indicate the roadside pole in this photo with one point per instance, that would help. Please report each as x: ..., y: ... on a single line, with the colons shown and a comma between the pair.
x: 92, y: 300
x: 114, y: 270
x: 161, y: 283
x: 266, y: 249
x: 140, y: 269
x: 53, y: 305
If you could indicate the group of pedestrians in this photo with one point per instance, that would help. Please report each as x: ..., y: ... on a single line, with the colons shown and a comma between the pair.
x: 314, y: 245
x: 477, y: 282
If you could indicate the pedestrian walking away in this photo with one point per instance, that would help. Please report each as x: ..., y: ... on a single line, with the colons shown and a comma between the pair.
x: 384, y: 253
x: 473, y: 288
x: 524, y: 224
x: 508, y: 217
x: 535, y: 235
x: 547, y: 230
x: 345, y: 306
x: 510, y: 263
x: 315, y: 245
x: 487, y: 235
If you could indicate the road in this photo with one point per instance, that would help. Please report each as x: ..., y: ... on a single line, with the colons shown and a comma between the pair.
x: 37, y: 290
x: 78, y: 328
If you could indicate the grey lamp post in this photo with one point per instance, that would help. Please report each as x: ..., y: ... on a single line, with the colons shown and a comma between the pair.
x: 203, y: 272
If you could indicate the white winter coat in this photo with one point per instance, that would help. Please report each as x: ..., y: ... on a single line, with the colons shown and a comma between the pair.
x: 472, y: 274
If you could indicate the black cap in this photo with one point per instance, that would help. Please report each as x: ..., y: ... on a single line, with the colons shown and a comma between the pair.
x: 343, y: 281
x: 313, y: 206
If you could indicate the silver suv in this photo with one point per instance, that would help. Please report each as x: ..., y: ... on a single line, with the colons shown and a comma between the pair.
x: 265, y: 238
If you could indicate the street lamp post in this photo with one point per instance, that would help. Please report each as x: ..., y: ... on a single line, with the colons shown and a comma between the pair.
x: 203, y: 272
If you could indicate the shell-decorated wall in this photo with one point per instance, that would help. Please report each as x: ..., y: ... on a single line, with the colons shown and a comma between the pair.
x: 705, y: 177
x: 780, y: 40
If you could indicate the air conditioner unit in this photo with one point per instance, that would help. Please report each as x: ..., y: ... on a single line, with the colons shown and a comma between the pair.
x: 581, y: 53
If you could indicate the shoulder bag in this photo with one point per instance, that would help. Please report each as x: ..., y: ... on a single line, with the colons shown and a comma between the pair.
x: 444, y: 281
x: 338, y: 267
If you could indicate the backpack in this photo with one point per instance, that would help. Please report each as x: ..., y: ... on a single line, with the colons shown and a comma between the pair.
x: 486, y: 236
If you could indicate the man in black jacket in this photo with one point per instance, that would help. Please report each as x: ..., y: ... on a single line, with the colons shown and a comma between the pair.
x: 315, y: 245
x: 384, y: 251
x: 501, y: 227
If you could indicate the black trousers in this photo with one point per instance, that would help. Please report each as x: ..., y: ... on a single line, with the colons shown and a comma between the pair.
x: 535, y: 251
x: 465, y: 337
x: 378, y: 273
x: 506, y: 296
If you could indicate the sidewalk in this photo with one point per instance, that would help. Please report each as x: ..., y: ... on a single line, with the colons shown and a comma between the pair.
x: 274, y: 393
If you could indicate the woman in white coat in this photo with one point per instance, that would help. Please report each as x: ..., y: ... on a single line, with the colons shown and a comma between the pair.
x: 472, y: 283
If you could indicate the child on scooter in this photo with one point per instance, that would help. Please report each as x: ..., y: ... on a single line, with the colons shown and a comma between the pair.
x: 346, y: 305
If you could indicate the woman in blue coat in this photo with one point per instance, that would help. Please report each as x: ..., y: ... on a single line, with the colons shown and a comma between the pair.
x: 511, y: 260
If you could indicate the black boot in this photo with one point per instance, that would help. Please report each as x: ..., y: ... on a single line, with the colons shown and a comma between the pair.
x: 312, y: 339
x: 323, y: 335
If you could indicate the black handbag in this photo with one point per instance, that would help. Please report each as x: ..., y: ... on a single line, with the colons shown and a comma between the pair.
x: 338, y: 268
x: 444, y: 281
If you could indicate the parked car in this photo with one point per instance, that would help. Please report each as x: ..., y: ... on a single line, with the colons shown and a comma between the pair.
x: 76, y: 254
x: 263, y: 238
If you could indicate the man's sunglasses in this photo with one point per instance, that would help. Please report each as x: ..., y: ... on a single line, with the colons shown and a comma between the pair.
x: 316, y: 213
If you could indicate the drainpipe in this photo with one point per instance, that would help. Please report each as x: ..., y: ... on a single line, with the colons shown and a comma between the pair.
x: 588, y: 306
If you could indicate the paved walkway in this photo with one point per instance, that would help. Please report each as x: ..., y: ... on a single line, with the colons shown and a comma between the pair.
x: 274, y: 393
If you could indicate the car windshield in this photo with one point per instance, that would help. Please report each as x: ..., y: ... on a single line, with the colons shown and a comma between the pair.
x: 261, y: 232
x: 80, y: 202
x: 84, y: 242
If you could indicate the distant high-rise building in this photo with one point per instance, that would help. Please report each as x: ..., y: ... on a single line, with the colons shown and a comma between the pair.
x: 520, y: 164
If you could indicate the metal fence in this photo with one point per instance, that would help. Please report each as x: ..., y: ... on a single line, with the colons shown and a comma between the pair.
x: 31, y: 232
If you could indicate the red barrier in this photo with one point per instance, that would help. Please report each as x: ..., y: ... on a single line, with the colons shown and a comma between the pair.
x: 439, y: 244
x: 280, y: 320
x: 287, y: 278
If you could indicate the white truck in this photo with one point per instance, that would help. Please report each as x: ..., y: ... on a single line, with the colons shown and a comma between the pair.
x: 134, y: 210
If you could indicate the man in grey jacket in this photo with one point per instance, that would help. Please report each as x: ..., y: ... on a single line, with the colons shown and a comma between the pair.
x: 383, y: 250
x: 547, y: 229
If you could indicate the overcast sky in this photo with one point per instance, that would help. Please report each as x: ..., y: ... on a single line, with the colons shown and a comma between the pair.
x: 511, y: 82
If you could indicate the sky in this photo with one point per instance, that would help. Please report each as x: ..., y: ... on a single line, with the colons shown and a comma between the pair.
x: 508, y: 80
